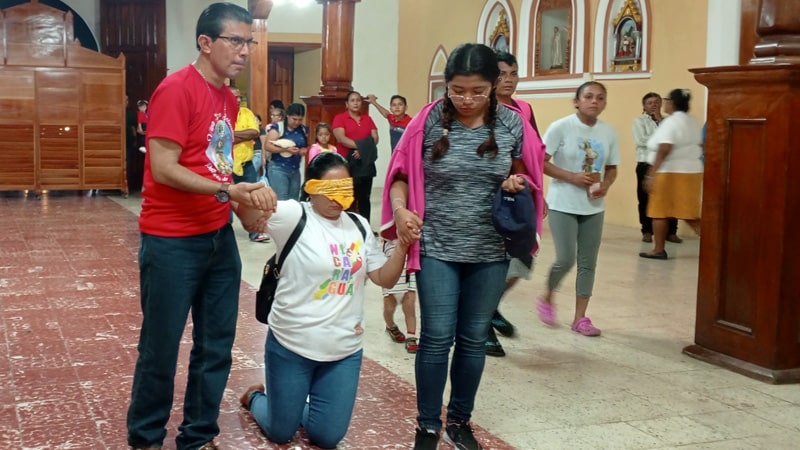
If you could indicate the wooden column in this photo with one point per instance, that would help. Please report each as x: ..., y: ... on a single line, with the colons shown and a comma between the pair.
x: 259, y: 57
x: 337, y: 62
x: 748, y: 296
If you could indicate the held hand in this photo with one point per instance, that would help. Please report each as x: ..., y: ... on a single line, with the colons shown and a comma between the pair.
x: 647, y: 184
x: 254, y: 195
x: 259, y: 226
x: 600, y: 192
x: 409, y: 227
x: 370, y: 98
x: 581, y: 179
x: 356, y: 154
x: 514, y: 183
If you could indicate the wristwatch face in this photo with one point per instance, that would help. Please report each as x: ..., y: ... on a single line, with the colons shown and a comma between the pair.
x: 222, y: 194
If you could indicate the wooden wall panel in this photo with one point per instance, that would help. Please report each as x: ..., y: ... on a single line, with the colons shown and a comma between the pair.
x: 17, y: 96
x: 56, y: 94
x: 100, y: 93
x: 59, y: 155
x: 63, y: 111
x: 17, y: 160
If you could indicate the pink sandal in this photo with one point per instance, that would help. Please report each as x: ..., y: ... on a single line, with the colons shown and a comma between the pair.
x: 547, y: 312
x: 585, y: 327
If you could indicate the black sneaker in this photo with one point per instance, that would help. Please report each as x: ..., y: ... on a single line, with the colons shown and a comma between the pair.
x: 493, y: 346
x: 459, y: 435
x: 502, y: 325
x: 426, y: 440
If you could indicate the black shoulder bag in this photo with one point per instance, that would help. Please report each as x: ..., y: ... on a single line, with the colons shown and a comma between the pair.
x: 272, y: 270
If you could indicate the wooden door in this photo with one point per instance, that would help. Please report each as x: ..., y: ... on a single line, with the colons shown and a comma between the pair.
x: 281, y: 74
x: 138, y: 29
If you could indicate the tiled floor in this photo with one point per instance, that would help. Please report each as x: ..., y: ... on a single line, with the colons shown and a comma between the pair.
x: 69, y: 319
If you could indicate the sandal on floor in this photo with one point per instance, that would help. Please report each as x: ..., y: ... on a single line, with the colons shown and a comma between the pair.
x: 658, y: 255
x: 585, y: 327
x: 396, y: 334
x: 547, y: 312
x: 411, y: 345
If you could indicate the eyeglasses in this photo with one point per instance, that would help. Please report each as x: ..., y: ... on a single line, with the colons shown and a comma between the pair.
x: 480, y: 98
x: 237, y: 42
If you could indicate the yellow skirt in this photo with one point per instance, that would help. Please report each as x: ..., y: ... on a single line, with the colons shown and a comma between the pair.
x: 675, y: 195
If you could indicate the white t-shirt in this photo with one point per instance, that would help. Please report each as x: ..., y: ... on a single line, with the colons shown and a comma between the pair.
x: 686, y: 136
x: 568, y: 141
x: 319, y: 300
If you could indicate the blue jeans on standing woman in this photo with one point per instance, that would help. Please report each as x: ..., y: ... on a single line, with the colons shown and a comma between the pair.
x: 198, y: 274
x: 457, y: 301
x: 285, y: 182
x: 330, y: 387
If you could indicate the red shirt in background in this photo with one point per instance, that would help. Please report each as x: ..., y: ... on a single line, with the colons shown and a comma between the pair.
x: 352, y: 129
x: 200, y: 118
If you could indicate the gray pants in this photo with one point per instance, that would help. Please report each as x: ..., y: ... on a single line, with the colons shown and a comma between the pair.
x: 575, y: 235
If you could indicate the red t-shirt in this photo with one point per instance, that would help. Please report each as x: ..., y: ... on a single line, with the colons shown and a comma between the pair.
x: 141, y: 117
x: 199, y: 117
x: 403, y: 122
x: 352, y: 129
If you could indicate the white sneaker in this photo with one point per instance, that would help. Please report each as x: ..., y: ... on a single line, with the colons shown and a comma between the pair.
x: 143, y: 149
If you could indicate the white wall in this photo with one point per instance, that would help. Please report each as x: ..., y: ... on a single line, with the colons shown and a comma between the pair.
x: 375, y: 66
x: 290, y: 18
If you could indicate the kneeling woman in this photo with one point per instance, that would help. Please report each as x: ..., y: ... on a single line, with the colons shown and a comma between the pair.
x: 313, y: 349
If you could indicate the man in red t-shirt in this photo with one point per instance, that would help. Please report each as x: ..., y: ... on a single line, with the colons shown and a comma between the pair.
x: 188, y: 258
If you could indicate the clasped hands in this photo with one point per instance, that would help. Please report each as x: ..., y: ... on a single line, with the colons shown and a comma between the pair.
x: 409, y: 227
x: 257, y: 196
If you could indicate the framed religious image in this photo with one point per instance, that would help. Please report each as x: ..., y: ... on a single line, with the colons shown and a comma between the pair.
x: 626, y: 53
x: 553, y: 37
x: 499, y: 39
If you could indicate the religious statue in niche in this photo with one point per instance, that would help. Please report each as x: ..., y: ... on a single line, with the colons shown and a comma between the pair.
x: 500, y: 40
x: 626, y: 51
x: 553, y: 29
x: 557, y: 52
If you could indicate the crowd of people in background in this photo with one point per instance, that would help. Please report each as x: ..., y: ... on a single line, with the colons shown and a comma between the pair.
x: 437, y: 244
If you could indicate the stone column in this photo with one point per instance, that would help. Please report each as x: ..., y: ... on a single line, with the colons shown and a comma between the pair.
x: 259, y: 58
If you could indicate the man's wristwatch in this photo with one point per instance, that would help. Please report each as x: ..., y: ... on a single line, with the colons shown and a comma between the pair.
x: 222, y: 194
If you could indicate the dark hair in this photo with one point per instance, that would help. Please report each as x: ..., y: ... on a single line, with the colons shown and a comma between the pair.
x: 680, y: 99
x: 505, y: 57
x: 349, y: 93
x: 277, y: 104
x: 650, y: 95
x: 397, y: 96
x: 210, y: 21
x: 585, y: 85
x: 469, y: 59
x: 323, y: 163
x: 258, y: 116
x: 296, y: 109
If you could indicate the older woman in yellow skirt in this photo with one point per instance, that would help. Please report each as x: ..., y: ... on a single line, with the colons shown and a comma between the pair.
x: 674, y: 180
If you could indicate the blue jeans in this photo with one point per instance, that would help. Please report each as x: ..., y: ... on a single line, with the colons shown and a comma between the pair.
x: 457, y: 301
x: 249, y: 175
x: 330, y: 387
x: 285, y: 182
x: 200, y: 274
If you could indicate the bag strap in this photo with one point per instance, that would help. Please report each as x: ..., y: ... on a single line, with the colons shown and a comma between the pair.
x: 358, y: 224
x: 298, y: 229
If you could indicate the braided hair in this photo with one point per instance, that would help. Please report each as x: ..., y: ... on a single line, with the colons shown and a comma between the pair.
x: 466, y: 60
